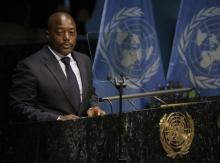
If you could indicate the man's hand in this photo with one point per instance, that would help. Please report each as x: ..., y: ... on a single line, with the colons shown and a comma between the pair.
x: 95, y: 111
x: 67, y: 117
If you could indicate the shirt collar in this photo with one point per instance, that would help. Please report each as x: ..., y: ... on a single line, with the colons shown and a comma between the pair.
x: 59, y: 56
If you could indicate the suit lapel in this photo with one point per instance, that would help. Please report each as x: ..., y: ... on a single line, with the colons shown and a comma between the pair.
x: 82, y: 68
x: 53, y: 65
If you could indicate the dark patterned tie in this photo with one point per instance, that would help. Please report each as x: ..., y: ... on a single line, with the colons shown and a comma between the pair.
x: 72, y: 82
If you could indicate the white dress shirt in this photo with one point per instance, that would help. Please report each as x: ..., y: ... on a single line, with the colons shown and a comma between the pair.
x: 73, y: 65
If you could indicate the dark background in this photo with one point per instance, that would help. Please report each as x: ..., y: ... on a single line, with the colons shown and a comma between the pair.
x: 34, y: 13
x: 23, y: 23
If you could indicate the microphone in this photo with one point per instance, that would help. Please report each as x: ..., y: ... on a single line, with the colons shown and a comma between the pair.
x: 117, y: 81
x: 123, y: 80
x: 155, y: 97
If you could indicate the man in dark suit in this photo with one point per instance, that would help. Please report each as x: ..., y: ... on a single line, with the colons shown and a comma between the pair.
x: 42, y: 87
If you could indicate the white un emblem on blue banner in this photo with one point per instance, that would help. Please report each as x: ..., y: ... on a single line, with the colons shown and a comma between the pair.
x: 199, y: 48
x: 128, y: 46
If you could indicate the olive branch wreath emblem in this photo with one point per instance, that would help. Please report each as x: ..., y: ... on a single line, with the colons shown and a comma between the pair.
x: 124, y: 14
x: 176, y: 133
x: 202, y: 81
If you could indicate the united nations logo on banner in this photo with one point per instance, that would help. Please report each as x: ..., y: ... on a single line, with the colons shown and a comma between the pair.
x: 176, y: 133
x: 128, y: 47
x: 199, y: 48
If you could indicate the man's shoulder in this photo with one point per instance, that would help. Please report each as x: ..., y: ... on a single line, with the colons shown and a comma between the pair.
x: 81, y: 55
x: 37, y: 56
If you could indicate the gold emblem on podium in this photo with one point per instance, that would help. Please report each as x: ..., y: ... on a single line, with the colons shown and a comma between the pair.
x: 176, y: 133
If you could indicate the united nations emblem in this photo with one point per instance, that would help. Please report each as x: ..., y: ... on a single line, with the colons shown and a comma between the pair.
x: 129, y: 47
x: 199, y: 48
x: 176, y: 133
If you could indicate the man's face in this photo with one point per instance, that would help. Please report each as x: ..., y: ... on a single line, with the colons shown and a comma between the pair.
x: 62, y: 34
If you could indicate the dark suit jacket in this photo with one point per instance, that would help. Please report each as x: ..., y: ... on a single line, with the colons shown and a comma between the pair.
x: 39, y: 89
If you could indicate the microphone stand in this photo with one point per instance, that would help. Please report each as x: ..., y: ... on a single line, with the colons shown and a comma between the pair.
x: 119, y: 84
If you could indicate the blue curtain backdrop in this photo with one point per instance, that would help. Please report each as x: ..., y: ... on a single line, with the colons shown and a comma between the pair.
x: 195, y: 58
x: 128, y: 47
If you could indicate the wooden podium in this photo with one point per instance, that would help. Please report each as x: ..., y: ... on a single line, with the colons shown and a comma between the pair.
x: 95, y: 140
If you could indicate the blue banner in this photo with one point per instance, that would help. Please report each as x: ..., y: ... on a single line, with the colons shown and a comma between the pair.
x: 195, y: 58
x: 128, y: 46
